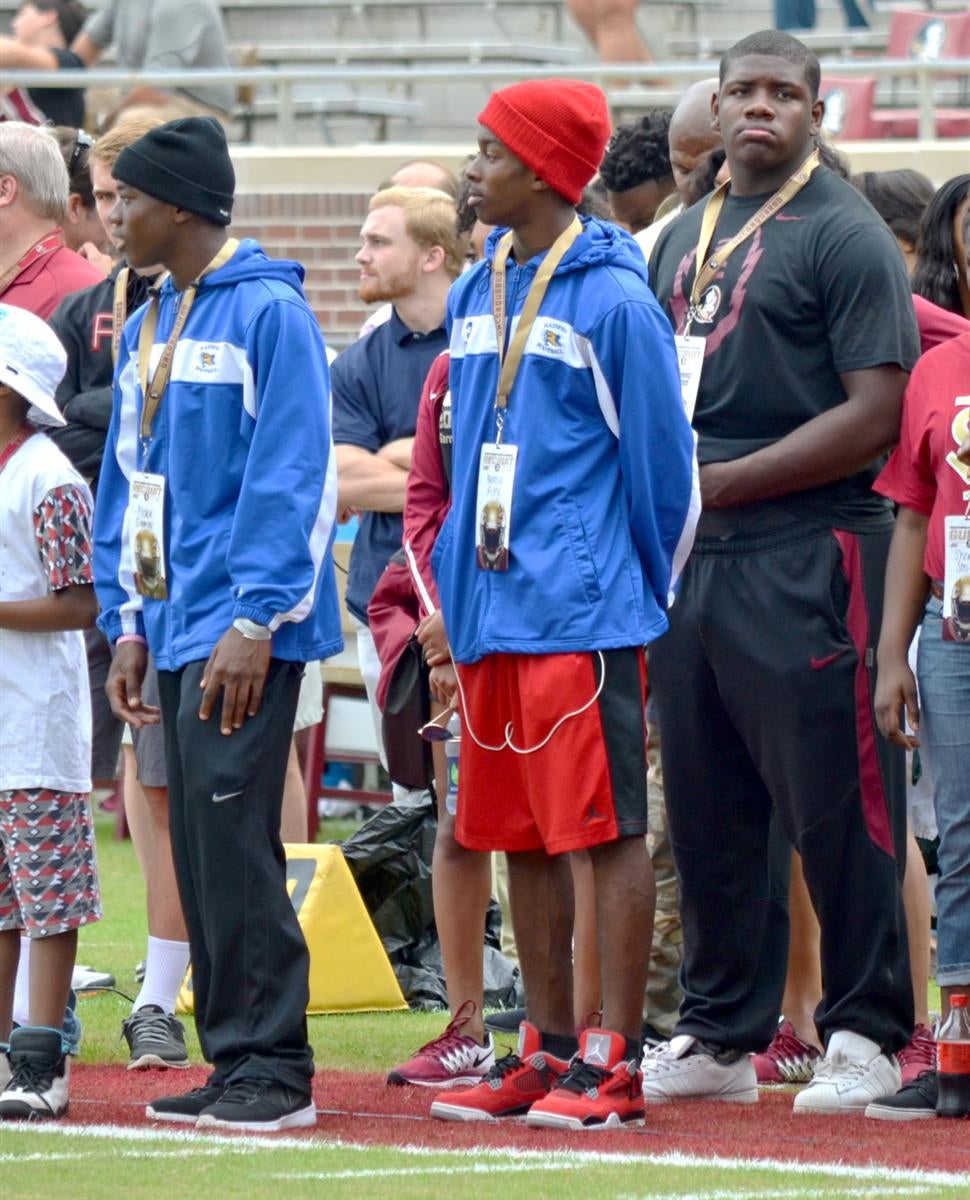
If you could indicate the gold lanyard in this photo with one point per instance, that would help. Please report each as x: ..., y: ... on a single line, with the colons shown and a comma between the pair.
x: 509, y: 363
x: 706, y: 268
x: 121, y: 307
x: 153, y: 392
x: 120, y: 311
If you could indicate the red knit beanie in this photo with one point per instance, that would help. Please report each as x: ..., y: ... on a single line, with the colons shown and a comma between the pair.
x: 558, y: 127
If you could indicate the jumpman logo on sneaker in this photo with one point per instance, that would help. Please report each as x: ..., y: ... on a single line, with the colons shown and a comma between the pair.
x: 597, y: 1049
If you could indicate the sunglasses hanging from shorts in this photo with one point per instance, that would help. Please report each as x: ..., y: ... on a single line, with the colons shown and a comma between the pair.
x: 436, y: 730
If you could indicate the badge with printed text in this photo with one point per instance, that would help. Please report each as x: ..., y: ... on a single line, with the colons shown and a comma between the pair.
x: 146, y: 533
x: 690, y: 360
x: 956, y: 580
x: 496, y: 478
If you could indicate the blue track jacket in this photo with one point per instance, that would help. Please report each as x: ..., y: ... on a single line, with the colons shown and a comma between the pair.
x: 606, y: 496
x: 242, y: 437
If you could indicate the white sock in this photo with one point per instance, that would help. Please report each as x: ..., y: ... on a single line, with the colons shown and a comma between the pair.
x: 165, y: 966
x: 21, y: 994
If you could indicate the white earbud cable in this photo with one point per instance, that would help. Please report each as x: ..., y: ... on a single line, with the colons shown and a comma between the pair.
x: 508, y: 743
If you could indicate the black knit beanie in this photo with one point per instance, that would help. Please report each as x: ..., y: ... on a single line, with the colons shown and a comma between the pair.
x: 171, y: 162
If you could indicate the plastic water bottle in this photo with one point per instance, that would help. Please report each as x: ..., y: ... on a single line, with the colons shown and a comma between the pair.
x: 452, y: 753
x: 953, y: 1061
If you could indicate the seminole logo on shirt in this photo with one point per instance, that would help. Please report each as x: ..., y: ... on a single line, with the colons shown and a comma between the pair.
x: 960, y: 430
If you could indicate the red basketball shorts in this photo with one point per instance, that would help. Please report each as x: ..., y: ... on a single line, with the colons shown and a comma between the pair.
x: 546, y: 762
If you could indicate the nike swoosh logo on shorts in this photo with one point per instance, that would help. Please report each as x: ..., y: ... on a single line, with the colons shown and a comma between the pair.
x: 218, y: 797
x: 819, y: 664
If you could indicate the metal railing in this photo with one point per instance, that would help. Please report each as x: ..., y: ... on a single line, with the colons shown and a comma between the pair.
x: 283, y: 79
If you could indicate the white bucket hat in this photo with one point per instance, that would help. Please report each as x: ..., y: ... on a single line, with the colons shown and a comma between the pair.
x: 32, y: 362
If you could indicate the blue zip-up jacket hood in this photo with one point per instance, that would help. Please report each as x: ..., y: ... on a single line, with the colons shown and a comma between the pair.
x: 605, y: 498
x: 242, y: 437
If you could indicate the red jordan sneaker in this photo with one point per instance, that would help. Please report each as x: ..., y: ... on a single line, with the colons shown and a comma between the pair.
x: 510, y: 1088
x: 602, y: 1089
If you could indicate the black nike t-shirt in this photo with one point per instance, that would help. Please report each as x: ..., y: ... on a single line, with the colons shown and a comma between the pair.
x: 62, y: 106
x: 818, y: 290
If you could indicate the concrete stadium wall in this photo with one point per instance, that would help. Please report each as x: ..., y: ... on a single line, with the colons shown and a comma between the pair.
x: 308, y: 203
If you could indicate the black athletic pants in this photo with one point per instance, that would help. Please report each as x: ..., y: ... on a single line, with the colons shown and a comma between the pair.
x: 249, y: 959
x: 764, y: 688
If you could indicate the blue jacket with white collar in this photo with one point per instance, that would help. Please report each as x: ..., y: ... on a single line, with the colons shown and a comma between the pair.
x: 242, y: 437
x: 606, y: 497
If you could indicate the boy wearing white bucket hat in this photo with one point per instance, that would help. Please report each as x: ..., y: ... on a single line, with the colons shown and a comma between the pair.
x: 48, y: 874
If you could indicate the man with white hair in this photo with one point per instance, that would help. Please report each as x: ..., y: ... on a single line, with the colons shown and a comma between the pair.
x: 36, y: 269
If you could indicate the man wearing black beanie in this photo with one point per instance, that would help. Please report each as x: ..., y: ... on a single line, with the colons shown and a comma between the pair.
x: 170, y: 162
x: 215, y: 517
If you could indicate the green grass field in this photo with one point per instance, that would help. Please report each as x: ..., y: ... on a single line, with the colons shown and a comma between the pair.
x: 147, y: 1163
x: 39, y: 1162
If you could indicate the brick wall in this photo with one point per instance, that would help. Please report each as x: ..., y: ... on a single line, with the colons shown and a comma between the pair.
x: 322, y: 231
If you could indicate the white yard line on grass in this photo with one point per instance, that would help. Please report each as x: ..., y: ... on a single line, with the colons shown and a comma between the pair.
x: 202, y: 1152
x: 45, y: 1158
x: 548, y: 1160
x: 863, y: 1193
x: 804, y: 1193
x: 489, y: 1168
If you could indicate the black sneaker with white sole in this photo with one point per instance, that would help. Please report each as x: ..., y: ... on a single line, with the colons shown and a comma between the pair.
x: 155, y: 1039
x: 914, y: 1102
x: 506, y: 1021
x: 185, y: 1108
x: 39, y: 1075
x: 260, y: 1105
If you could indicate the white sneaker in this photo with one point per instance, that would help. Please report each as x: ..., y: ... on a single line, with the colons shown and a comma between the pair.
x: 853, y: 1073
x: 88, y: 979
x: 38, y: 1085
x: 687, y: 1069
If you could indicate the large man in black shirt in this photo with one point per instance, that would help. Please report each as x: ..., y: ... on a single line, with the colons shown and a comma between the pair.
x: 764, y: 682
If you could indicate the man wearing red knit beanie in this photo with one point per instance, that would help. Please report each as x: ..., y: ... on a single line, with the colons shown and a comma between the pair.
x: 573, y: 507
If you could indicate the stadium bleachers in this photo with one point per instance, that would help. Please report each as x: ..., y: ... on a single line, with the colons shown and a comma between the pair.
x: 307, y: 202
x: 376, y: 34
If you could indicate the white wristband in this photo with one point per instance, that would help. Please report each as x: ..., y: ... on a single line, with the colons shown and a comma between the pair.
x: 249, y: 629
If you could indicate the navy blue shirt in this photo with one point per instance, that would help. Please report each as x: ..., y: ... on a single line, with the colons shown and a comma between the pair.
x: 376, y: 386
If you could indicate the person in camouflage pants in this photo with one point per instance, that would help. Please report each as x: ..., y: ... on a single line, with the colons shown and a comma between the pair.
x: 663, y: 994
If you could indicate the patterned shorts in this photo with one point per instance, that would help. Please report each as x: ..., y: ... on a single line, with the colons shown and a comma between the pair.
x: 48, y: 869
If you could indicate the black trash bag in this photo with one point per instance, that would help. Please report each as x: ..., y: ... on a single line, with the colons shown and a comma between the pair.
x: 390, y: 859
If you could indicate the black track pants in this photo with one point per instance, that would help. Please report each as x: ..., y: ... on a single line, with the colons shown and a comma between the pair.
x: 249, y: 959
x: 764, y: 689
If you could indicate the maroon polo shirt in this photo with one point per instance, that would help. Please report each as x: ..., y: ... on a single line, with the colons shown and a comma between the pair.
x: 46, y: 274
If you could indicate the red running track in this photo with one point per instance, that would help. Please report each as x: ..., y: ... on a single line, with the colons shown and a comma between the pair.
x: 363, y: 1109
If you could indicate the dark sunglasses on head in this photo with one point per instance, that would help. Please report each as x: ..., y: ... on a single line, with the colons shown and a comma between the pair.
x: 82, y: 141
